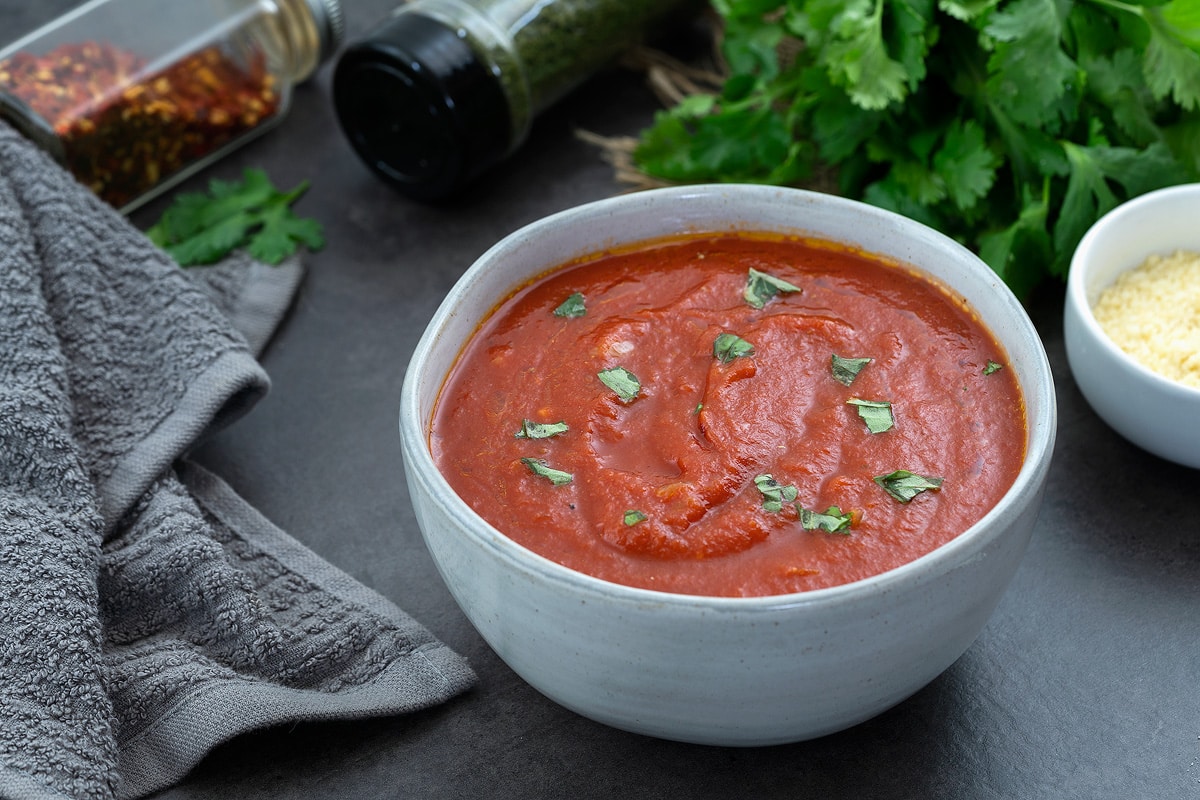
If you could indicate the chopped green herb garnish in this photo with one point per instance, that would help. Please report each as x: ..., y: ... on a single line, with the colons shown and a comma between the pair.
x: 761, y: 287
x: 991, y: 367
x: 904, y: 485
x: 555, y: 476
x: 633, y: 517
x: 572, y: 307
x: 774, y: 493
x: 876, y: 413
x: 540, y: 430
x: 729, y: 346
x: 621, y: 381
x: 845, y: 370
x: 832, y: 521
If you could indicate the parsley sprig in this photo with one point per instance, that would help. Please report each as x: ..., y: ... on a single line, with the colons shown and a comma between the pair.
x: 202, y: 228
x: 1009, y: 124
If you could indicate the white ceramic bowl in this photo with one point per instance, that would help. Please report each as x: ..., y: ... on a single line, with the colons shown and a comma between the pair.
x: 1154, y: 412
x: 724, y: 671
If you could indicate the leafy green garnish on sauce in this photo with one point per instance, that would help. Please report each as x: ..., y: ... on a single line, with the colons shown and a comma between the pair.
x: 774, y: 493
x: 832, y: 521
x: 540, y: 430
x: 621, y: 381
x: 761, y: 287
x: 845, y: 370
x: 877, y: 414
x: 633, y: 517
x: 904, y: 485
x: 572, y: 307
x: 201, y: 228
x: 991, y: 367
x: 729, y: 346
x: 540, y: 468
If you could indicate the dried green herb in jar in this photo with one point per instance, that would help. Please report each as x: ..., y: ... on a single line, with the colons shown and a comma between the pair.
x: 446, y: 88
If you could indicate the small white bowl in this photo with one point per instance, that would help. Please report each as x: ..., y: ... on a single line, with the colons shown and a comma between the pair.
x: 720, y: 670
x: 1156, y: 413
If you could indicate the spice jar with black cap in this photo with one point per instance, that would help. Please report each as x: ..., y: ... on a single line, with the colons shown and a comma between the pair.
x: 133, y: 96
x: 445, y: 89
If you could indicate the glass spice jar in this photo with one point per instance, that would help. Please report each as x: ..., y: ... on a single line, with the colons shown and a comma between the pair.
x: 133, y: 96
x: 445, y: 89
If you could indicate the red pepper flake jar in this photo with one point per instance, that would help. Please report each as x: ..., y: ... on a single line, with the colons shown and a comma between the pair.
x: 133, y: 96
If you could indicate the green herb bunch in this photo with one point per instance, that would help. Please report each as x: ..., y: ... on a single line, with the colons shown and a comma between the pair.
x: 1011, y: 125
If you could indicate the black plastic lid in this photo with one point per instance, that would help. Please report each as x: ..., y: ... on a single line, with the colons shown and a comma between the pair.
x: 420, y: 107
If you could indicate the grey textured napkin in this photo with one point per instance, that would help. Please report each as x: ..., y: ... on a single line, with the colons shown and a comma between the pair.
x: 147, y: 613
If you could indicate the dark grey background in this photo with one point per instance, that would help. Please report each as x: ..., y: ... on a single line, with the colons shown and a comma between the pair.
x: 1085, y: 684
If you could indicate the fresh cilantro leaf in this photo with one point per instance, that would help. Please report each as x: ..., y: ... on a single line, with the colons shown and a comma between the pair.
x: 212, y: 243
x: 751, y: 48
x: 191, y: 213
x: 1118, y: 81
x: 1090, y: 194
x: 841, y: 128
x: 761, y: 287
x: 774, y: 493
x: 280, y: 231
x: 1172, y: 59
x: 857, y: 57
x: 968, y: 10
x: 1028, y: 70
x: 666, y: 150
x: 1019, y: 253
x: 877, y: 414
x: 992, y: 367
x: 621, y: 381
x: 203, y: 228
x: 832, y: 521
x: 845, y: 370
x: 540, y: 430
x: 542, y: 470
x: 1183, y: 138
x: 633, y: 517
x: 728, y: 346
x: 572, y: 307
x: 965, y: 164
x: 904, y: 485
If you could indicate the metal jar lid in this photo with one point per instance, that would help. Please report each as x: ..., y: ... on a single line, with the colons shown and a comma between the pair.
x: 331, y: 25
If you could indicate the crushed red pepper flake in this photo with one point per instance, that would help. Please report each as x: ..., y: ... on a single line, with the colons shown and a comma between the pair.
x: 124, y: 130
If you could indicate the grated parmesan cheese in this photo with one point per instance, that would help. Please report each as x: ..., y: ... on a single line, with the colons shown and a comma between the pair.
x: 1152, y: 312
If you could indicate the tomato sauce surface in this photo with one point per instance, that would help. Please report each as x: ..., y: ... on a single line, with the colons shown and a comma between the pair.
x: 659, y: 491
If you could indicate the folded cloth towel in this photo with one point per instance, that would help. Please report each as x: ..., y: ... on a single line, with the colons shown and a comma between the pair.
x: 147, y: 613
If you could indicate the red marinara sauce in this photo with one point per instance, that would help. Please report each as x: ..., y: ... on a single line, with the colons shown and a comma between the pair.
x: 669, y: 489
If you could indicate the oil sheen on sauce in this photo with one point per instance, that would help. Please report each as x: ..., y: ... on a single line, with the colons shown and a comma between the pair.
x: 659, y: 490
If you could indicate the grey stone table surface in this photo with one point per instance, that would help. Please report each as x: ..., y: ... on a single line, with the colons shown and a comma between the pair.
x: 1084, y: 684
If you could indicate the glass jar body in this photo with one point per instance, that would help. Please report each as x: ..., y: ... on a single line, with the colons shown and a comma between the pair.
x: 445, y: 88
x: 133, y: 96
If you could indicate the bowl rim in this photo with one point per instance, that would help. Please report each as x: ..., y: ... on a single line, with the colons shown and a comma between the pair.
x: 1077, y: 294
x: 963, y: 548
